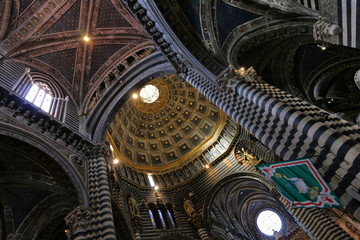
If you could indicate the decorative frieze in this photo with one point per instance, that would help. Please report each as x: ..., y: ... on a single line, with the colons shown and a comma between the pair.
x: 22, y: 110
x: 230, y: 77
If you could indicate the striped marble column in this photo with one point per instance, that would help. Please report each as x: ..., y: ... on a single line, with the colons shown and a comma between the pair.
x: 315, y: 222
x: 99, y: 195
x: 137, y: 236
x: 203, y: 235
x: 319, y: 225
x: 292, y: 129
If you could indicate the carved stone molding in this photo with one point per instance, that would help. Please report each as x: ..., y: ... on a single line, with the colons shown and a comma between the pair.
x: 329, y: 9
x: 77, y: 160
x: 28, y: 25
x: 100, y: 151
x: 20, y: 109
x: 194, y: 217
x: 78, y: 220
x: 228, y: 80
x: 114, y: 72
x: 141, y: 14
x: 13, y: 236
x: 4, y: 22
x: 326, y: 31
x: 230, y: 77
x: 357, y: 78
x: 209, y: 29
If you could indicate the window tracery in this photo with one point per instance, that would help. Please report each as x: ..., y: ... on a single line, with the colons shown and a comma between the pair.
x: 40, y: 95
x: 162, y: 215
x: 40, y: 90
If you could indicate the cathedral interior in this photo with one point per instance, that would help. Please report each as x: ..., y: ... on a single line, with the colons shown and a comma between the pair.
x: 145, y: 119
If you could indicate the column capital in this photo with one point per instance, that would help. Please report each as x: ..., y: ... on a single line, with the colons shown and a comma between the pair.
x: 326, y: 31
x: 100, y: 151
x: 78, y: 220
x: 230, y: 77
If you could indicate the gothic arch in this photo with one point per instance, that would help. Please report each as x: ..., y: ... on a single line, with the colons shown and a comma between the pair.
x: 99, y: 120
x: 270, y: 33
x: 234, y: 202
x: 42, y: 219
x: 102, y: 77
x: 54, y: 76
x: 122, y: 230
x: 61, y: 161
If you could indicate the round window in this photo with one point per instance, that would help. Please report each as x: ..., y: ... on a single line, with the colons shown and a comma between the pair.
x: 149, y: 94
x: 268, y: 221
x: 357, y: 78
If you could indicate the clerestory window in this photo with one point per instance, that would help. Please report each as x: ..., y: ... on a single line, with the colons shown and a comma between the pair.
x: 40, y: 95
x: 162, y: 215
x: 41, y: 90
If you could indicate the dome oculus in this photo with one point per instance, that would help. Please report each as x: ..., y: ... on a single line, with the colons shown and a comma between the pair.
x: 149, y: 94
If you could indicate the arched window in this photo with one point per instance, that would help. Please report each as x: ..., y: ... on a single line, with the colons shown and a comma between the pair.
x: 171, y: 214
x: 152, y: 219
x: 41, y: 90
x: 162, y: 215
x: 41, y: 95
x: 155, y: 217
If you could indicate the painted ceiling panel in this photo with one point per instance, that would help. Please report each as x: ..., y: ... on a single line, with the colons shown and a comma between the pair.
x: 24, y: 4
x: 110, y: 17
x: 22, y: 200
x: 313, y: 57
x: 63, y: 61
x: 229, y: 17
x: 101, y: 54
x: 68, y: 22
x: 10, y: 161
x: 191, y: 10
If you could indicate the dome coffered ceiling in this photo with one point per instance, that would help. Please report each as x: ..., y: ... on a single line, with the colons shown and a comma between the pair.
x: 168, y: 133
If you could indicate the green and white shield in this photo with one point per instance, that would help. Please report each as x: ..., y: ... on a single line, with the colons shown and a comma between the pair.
x: 300, y: 184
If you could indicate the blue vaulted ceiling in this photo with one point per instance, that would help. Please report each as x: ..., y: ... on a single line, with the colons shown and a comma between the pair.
x: 229, y: 17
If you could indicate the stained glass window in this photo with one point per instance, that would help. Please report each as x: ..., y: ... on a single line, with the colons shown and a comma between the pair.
x: 41, y: 95
x: 162, y: 219
x: 152, y: 219
x: 32, y: 93
x: 171, y: 219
